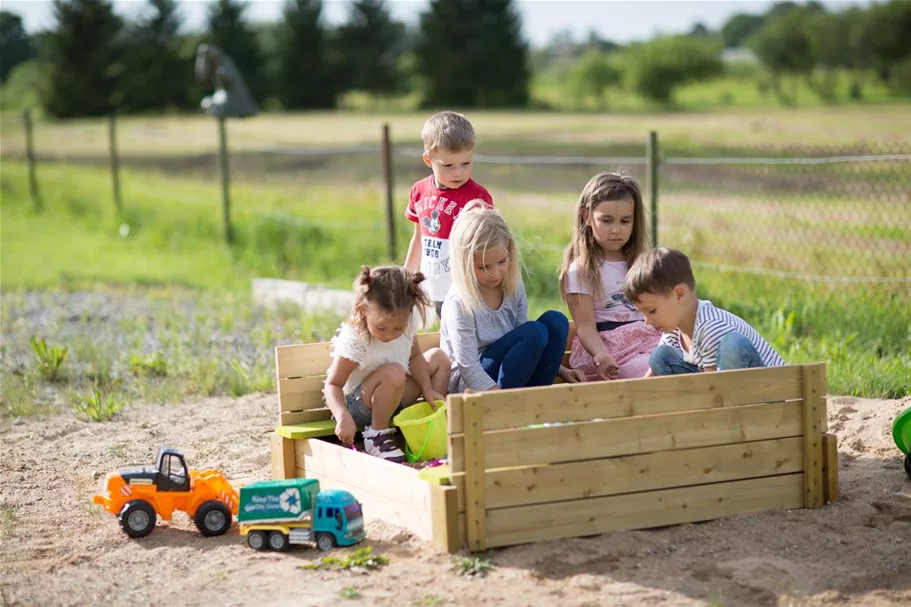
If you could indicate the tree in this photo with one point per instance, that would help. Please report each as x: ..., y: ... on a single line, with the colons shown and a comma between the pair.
x: 304, y: 66
x: 700, y: 30
x: 157, y: 75
x: 663, y: 64
x: 15, y: 44
x: 471, y: 53
x: 784, y: 47
x: 886, y: 33
x: 83, y: 54
x: 229, y: 31
x: 592, y: 75
x: 371, y: 44
x: 739, y: 28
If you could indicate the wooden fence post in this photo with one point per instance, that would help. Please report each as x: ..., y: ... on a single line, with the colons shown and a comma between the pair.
x: 387, y: 175
x: 225, y: 177
x: 30, y: 155
x: 115, y: 160
x: 652, y: 157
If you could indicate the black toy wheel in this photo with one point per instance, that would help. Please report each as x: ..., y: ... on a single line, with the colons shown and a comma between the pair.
x: 137, y: 518
x: 257, y: 540
x: 908, y: 464
x: 278, y: 541
x: 324, y: 541
x: 212, y: 518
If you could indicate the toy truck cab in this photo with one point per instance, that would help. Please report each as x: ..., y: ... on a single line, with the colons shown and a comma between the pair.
x: 274, y: 514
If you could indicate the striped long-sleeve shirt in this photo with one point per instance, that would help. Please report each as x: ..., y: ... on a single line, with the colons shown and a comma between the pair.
x: 711, y: 325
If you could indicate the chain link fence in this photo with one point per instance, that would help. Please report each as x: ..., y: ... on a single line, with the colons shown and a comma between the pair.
x: 839, y: 215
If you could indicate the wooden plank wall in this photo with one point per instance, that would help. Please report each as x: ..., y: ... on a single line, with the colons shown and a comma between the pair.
x: 643, y: 453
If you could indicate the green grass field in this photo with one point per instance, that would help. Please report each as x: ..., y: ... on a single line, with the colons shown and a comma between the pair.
x: 322, y: 233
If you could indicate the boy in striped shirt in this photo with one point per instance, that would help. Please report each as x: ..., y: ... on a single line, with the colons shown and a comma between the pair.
x: 698, y: 337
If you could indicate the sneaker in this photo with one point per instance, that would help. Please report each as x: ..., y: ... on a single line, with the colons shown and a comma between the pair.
x: 381, y: 443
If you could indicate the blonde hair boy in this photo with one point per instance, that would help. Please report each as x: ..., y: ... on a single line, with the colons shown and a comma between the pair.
x: 437, y: 200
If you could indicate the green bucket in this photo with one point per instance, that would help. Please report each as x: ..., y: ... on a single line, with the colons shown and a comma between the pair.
x: 901, y: 431
x: 425, y: 431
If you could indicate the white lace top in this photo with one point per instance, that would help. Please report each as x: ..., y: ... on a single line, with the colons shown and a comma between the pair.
x: 369, y: 354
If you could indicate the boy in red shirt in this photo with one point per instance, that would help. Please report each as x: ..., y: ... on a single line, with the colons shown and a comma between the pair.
x: 437, y: 200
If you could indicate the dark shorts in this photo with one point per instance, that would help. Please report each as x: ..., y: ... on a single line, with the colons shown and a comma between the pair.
x: 361, y: 414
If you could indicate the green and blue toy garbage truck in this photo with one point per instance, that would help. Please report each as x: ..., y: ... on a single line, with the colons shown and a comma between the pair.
x: 274, y: 514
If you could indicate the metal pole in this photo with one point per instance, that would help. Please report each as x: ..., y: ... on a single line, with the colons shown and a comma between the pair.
x: 652, y: 157
x: 225, y: 178
x: 30, y: 155
x: 115, y: 160
x: 387, y: 172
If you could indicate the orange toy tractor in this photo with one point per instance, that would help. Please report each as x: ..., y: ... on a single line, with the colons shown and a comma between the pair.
x: 136, y: 495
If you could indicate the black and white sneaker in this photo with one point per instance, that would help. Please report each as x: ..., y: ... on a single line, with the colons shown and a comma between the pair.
x: 381, y: 443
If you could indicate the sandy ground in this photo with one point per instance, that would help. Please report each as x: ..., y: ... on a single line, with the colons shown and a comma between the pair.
x: 58, y: 549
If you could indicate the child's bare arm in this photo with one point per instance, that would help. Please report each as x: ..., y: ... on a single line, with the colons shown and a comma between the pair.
x: 582, y: 309
x: 336, y: 377
x: 420, y: 373
x: 413, y: 258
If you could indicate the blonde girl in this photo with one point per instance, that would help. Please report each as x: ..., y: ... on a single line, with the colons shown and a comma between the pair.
x: 377, y: 365
x: 485, y: 329
x: 609, y: 233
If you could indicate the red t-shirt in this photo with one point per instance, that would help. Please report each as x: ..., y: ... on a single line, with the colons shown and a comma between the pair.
x: 435, y: 210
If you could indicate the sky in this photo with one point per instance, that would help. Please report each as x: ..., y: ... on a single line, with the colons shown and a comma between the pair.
x: 617, y: 20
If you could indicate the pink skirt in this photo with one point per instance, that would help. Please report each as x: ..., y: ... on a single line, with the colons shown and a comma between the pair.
x: 630, y: 345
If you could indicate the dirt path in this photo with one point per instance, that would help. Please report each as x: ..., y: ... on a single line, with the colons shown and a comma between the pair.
x: 58, y: 549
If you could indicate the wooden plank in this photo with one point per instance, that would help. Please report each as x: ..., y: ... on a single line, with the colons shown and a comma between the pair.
x: 304, y: 360
x: 444, y: 510
x: 626, y: 398
x: 642, y: 434
x: 308, y: 430
x: 475, y: 505
x: 300, y: 393
x: 382, y: 509
x: 281, y: 457
x: 301, y: 360
x: 395, y: 482
x: 510, y: 526
x: 455, y: 412
x: 292, y: 418
x: 830, y: 466
x: 814, y: 414
x: 652, y: 471
x: 429, y: 340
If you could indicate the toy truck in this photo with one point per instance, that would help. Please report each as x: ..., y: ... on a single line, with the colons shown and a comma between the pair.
x: 274, y: 514
x: 137, y: 495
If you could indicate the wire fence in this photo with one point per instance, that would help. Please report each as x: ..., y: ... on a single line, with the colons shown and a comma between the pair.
x: 821, y: 214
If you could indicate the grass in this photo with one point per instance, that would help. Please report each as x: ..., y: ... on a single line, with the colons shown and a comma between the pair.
x: 49, y: 358
x: 97, y: 407
x: 175, y: 244
x: 350, y: 593
x: 471, y: 566
x: 572, y: 132
x: 361, y: 560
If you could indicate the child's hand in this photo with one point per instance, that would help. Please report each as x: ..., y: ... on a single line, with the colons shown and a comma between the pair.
x: 606, y: 366
x: 571, y: 376
x: 432, y: 396
x: 345, y: 429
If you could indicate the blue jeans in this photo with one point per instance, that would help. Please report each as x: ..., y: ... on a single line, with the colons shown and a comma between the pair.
x: 530, y: 354
x: 734, y: 352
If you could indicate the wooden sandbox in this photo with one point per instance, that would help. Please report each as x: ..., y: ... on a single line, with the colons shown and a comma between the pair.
x: 628, y: 454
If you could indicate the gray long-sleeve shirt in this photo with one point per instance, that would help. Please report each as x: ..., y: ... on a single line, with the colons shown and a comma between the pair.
x: 464, y: 335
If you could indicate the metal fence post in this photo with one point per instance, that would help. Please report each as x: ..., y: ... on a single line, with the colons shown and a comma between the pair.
x: 225, y: 177
x: 30, y: 155
x: 115, y: 160
x: 387, y: 174
x: 652, y: 158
